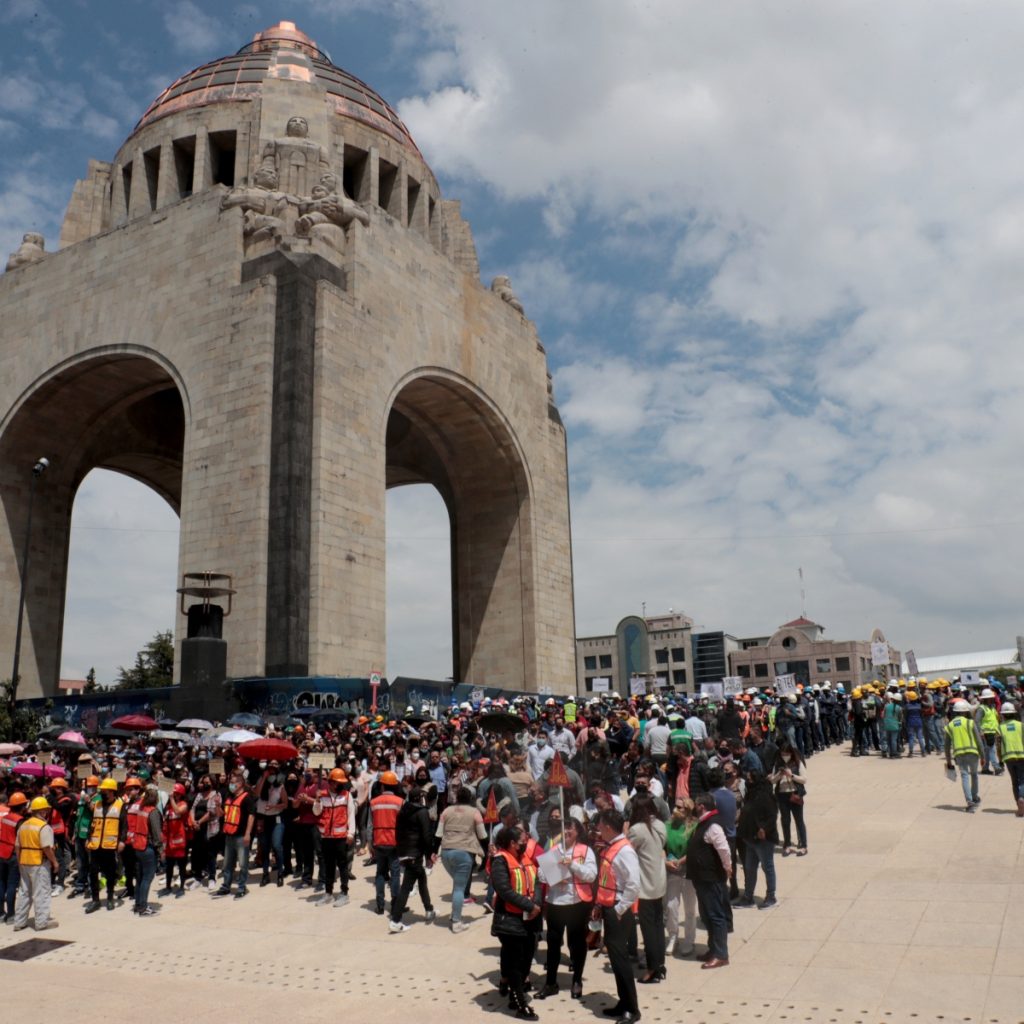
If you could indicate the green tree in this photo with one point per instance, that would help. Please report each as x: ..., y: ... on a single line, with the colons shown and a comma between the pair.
x: 20, y: 725
x: 90, y: 681
x: 154, y: 665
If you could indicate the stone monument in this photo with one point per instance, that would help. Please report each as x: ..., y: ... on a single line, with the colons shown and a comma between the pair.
x: 264, y: 309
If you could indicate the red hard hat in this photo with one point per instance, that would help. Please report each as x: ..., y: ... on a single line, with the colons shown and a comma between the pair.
x: 179, y: 789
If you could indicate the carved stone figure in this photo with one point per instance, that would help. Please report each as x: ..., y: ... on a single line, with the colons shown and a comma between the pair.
x: 261, y: 202
x: 300, y: 162
x: 328, y: 204
x: 502, y: 287
x: 31, y: 250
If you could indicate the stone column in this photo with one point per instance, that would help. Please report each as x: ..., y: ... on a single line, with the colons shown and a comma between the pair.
x: 167, y: 177
x: 202, y: 172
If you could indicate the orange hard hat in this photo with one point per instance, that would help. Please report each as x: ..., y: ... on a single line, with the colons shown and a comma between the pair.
x: 133, y: 781
x: 92, y: 781
x: 338, y: 775
x: 58, y: 783
x: 17, y: 799
x: 388, y: 779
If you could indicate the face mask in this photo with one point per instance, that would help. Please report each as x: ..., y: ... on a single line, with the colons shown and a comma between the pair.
x: 541, y: 741
x: 233, y: 787
x: 415, y: 755
x: 263, y: 764
x: 206, y: 787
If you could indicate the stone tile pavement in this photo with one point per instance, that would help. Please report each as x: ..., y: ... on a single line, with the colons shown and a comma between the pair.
x: 905, y: 910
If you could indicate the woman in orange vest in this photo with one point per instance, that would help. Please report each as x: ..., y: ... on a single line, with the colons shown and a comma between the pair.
x: 516, y: 915
x: 9, y: 822
x: 175, y: 839
x: 567, y: 908
x: 143, y: 835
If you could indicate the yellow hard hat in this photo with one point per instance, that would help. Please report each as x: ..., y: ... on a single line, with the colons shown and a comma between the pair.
x: 911, y: 695
x: 39, y: 804
x: 109, y: 784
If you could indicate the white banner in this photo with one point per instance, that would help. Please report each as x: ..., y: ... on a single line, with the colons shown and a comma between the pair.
x: 637, y: 686
x: 970, y: 678
x: 879, y: 653
x: 732, y: 686
x: 476, y: 696
x: 661, y: 682
x: 713, y: 691
x: 785, y: 685
x: 601, y: 684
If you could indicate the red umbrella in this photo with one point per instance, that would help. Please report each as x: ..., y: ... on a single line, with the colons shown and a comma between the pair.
x: 268, y: 750
x: 135, y: 723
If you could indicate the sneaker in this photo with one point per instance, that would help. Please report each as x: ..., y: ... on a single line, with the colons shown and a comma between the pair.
x: 430, y: 915
x: 222, y: 891
x: 21, y: 927
x: 670, y: 946
x: 768, y: 902
x: 57, y: 890
x: 380, y: 909
x: 488, y: 909
x: 460, y: 926
x: 165, y: 891
x: 743, y: 901
x: 46, y: 927
x: 241, y: 894
x: 92, y: 906
x: 147, y: 912
x: 470, y: 900
x: 970, y: 808
x: 977, y: 799
x: 211, y: 885
x: 110, y: 903
x: 192, y: 883
x: 342, y: 900
x: 324, y: 901
x: 395, y: 927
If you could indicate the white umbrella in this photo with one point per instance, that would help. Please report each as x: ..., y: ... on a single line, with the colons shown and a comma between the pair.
x: 195, y: 723
x: 237, y: 736
x: 171, y: 734
x: 6, y: 749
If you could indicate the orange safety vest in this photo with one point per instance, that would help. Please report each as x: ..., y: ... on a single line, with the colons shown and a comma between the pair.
x: 531, y: 851
x: 137, y: 835
x: 384, y: 812
x: 174, y: 832
x: 8, y: 831
x: 523, y: 877
x: 57, y: 823
x: 333, y: 821
x: 606, y: 887
x: 233, y: 813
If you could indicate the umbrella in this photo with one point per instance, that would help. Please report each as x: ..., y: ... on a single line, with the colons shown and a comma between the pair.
x: 169, y: 734
x: 29, y: 768
x: 195, y: 723
x: 116, y: 734
x: 166, y: 723
x: 237, y: 736
x: 74, y: 737
x: 54, y: 771
x: 134, y: 723
x: 6, y: 749
x: 51, y: 732
x: 501, y: 721
x: 72, y: 745
x: 264, y: 749
x: 245, y: 719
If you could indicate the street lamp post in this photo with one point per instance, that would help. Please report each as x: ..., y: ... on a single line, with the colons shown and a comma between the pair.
x: 37, y: 471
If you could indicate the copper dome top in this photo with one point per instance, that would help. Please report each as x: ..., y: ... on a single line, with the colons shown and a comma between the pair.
x: 283, y: 52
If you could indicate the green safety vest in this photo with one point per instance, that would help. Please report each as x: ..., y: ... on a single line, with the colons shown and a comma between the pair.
x: 569, y: 711
x: 989, y: 719
x: 1012, y: 740
x: 961, y: 736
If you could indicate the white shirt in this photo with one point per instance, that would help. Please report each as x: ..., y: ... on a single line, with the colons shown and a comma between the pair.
x: 564, y: 742
x: 696, y: 728
x: 626, y: 868
x: 563, y: 894
x: 538, y: 757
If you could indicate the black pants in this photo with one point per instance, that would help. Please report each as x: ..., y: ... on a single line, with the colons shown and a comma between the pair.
x: 570, y: 921
x: 179, y: 863
x: 516, y: 957
x: 128, y: 862
x: 335, y: 853
x: 104, y: 861
x: 304, y: 857
x: 617, y: 931
x: 414, y: 873
x: 652, y: 926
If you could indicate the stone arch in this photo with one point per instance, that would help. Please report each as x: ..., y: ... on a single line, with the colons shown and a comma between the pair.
x: 121, y: 408
x: 443, y: 430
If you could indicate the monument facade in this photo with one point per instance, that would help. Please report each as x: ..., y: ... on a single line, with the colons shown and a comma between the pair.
x: 264, y: 309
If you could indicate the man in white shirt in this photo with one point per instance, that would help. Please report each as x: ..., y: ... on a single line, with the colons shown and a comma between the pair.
x: 656, y: 738
x: 619, y: 868
x: 696, y: 728
x: 539, y: 754
x: 563, y: 740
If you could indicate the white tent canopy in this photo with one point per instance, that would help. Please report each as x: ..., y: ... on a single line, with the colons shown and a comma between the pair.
x: 947, y: 665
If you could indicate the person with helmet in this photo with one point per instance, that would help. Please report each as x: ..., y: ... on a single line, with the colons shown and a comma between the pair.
x: 914, y: 719
x: 63, y: 804
x: 132, y: 796
x: 145, y: 836
x: 81, y: 827
x: 963, y: 744
x: 1011, y: 751
x: 175, y: 838
x: 384, y: 810
x: 105, y: 843
x: 239, y: 818
x: 9, y: 822
x: 335, y: 811
x: 987, y: 717
x: 33, y: 844
x: 415, y: 840
x: 892, y: 723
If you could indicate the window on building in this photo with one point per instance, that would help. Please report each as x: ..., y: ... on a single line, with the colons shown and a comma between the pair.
x: 606, y: 661
x: 823, y: 665
x: 590, y: 663
x: 761, y: 670
x: 743, y: 671
x: 789, y: 643
x: 842, y: 664
x: 678, y: 677
x: 661, y: 655
x: 679, y: 654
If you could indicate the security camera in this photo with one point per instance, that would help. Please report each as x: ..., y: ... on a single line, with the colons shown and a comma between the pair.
x: 40, y: 467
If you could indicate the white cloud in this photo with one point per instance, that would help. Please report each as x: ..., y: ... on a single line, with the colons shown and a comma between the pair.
x: 193, y: 30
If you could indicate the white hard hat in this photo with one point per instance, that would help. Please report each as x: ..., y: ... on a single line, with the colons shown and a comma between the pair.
x: 1008, y: 708
x: 757, y: 702
x: 986, y: 693
x: 961, y: 706
x: 896, y: 696
x: 751, y: 690
x: 791, y: 697
x: 827, y: 685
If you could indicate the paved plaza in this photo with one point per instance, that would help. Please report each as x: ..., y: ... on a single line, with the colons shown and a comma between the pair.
x: 905, y: 910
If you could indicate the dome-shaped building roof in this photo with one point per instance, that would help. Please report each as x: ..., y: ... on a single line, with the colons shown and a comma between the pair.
x: 281, y: 52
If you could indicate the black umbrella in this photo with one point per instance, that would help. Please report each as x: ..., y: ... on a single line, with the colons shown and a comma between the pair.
x: 501, y: 721
x: 416, y: 721
x: 72, y: 745
x: 51, y: 732
x: 117, y: 734
x: 245, y: 720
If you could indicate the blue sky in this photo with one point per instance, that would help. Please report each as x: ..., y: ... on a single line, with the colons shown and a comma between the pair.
x: 774, y: 255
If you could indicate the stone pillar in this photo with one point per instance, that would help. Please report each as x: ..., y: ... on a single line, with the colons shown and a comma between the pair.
x: 202, y: 172
x: 167, y: 178
x: 373, y: 171
x: 118, y: 205
x: 138, y: 202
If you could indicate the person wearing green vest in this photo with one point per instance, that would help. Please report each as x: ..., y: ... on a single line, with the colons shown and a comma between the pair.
x: 679, y: 889
x: 80, y: 829
x: 569, y: 711
x: 963, y: 745
x: 1011, y: 751
x: 987, y: 717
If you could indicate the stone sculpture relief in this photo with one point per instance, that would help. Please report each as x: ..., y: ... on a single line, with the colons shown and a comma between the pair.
x: 502, y: 287
x: 294, y: 195
x: 31, y: 250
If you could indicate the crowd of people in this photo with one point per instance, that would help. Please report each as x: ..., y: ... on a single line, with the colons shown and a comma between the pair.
x: 612, y: 826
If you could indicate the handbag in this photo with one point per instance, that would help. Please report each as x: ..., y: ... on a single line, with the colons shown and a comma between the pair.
x: 796, y: 798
